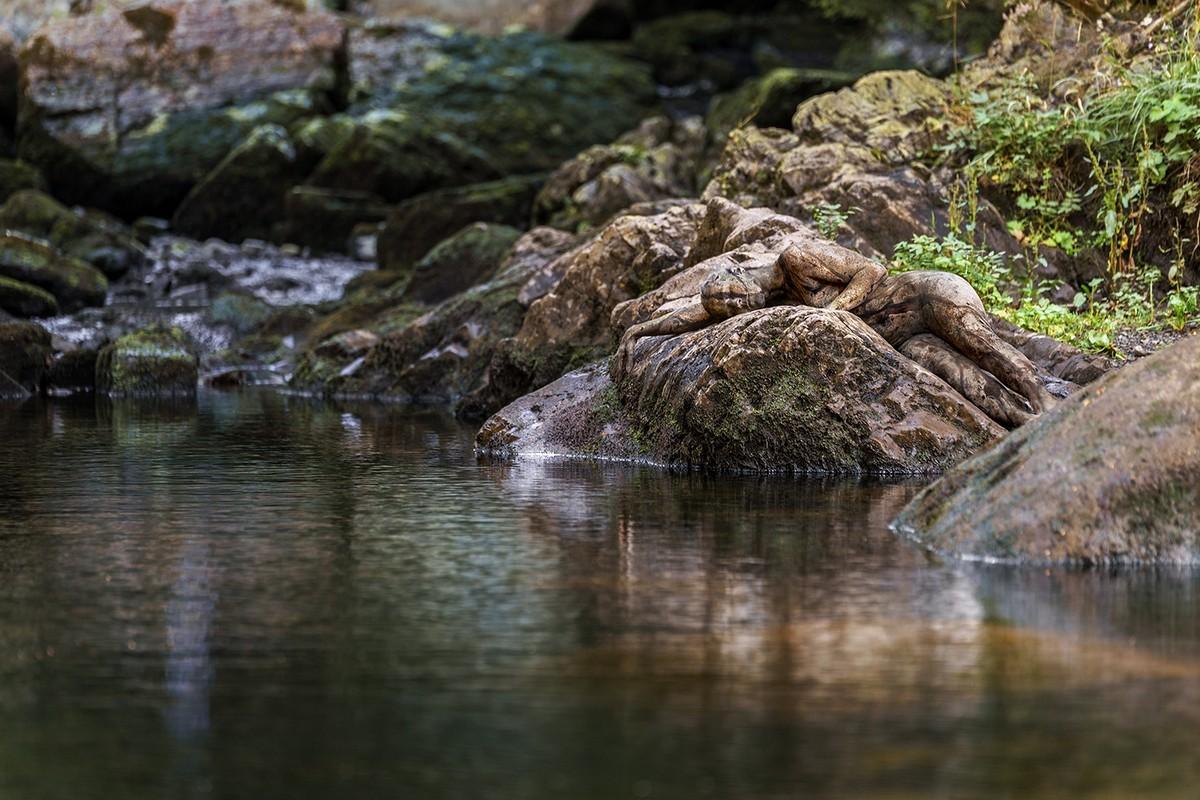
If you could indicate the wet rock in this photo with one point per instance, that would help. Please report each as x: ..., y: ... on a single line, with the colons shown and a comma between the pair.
x: 420, y: 223
x: 153, y: 362
x: 17, y: 175
x: 1112, y: 476
x: 95, y: 237
x: 130, y: 109
x: 243, y: 197
x: 489, y: 16
x: 537, y: 255
x: 23, y: 300
x: 456, y: 264
x: 434, y: 108
x: 25, y: 354
x: 325, y: 219
x: 656, y: 161
x: 569, y: 325
x: 73, y: 372
x: 791, y: 389
x: 241, y: 312
x: 73, y: 282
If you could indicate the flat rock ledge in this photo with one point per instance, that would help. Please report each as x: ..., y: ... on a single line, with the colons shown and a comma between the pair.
x: 786, y: 389
x: 1110, y: 477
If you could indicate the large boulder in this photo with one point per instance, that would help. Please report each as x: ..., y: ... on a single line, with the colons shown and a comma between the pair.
x: 1112, y: 476
x: 416, y: 225
x: 244, y: 196
x: 73, y: 282
x: 92, y: 236
x: 25, y: 355
x: 790, y: 389
x: 656, y: 161
x: 153, y: 362
x: 132, y: 107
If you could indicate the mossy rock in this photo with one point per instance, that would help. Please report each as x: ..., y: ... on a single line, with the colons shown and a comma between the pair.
x: 17, y: 175
x: 418, y: 224
x: 73, y: 372
x: 769, y: 101
x: 241, y: 312
x: 23, y: 300
x: 95, y: 237
x: 73, y: 282
x: 456, y: 264
x: 153, y: 362
x: 25, y: 354
x: 243, y: 197
x: 325, y: 219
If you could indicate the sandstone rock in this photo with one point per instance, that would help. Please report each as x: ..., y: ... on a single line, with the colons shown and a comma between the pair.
x: 770, y: 100
x: 91, y: 236
x: 74, y: 283
x: 658, y: 160
x: 133, y: 107
x: 153, y: 362
x: 420, y: 223
x: 537, y: 254
x: 782, y: 389
x: 16, y: 176
x: 456, y: 264
x: 488, y: 16
x: 569, y: 326
x: 23, y: 300
x: 243, y: 197
x: 24, y: 358
x: 1112, y: 476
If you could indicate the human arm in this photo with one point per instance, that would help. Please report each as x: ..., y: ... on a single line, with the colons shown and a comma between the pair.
x: 815, y: 264
x: 690, y: 317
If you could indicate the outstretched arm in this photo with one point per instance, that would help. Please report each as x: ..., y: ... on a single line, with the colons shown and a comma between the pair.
x: 691, y: 317
x: 819, y: 262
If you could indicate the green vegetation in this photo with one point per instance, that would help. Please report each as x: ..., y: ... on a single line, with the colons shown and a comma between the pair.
x: 1110, y: 177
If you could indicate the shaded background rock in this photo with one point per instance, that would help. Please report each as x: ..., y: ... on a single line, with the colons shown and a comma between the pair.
x: 470, y: 256
x: 24, y: 358
x: 1112, y: 476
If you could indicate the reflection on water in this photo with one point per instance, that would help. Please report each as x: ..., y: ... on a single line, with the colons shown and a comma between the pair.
x: 266, y: 598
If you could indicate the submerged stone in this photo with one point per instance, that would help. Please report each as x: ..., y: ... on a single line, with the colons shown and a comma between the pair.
x: 1110, y: 477
x: 153, y: 362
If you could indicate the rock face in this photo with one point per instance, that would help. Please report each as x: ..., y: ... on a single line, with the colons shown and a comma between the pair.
x: 24, y: 358
x: 154, y: 362
x: 783, y: 389
x: 1113, y: 476
x: 133, y: 107
x: 74, y: 283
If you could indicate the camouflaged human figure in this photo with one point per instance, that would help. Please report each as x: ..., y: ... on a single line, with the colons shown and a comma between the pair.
x: 934, y: 318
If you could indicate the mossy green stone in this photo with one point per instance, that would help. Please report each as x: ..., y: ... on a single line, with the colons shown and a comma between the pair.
x: 24, y: 357
x: 23, y: 300
x: 92, y: 236
x: 17, y: 175
x: 74, y: 282
x: 153, y: 362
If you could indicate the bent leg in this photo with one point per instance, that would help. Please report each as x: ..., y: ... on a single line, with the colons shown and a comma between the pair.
x: 965, y: 326
x: 969, y: 379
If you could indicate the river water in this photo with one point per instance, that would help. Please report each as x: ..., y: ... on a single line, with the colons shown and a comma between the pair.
x: 258, y: 596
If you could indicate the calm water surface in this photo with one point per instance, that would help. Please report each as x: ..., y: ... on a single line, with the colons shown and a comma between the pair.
x: 261, y: 597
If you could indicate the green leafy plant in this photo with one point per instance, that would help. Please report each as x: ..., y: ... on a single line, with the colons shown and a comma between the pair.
x: 828, y: 218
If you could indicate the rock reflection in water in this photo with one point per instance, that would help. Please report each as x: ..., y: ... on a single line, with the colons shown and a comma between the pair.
x: 261, y: 596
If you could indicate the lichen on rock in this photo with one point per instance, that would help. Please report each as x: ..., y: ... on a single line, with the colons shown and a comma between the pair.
x: 154, y: 362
